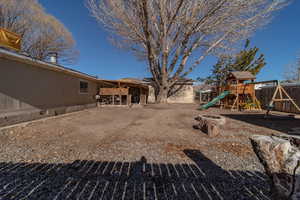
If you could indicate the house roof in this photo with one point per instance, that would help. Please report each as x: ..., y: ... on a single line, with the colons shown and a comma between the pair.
x: 202, y: 87
x: 242, y: 75
x: 45, y: 65
x: 128, y: 82
x: 132, y: 80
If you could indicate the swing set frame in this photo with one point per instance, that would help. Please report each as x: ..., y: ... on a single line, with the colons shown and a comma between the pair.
x: 280, y: 95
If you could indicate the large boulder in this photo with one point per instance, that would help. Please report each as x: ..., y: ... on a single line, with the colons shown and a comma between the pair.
x: 280, y: 157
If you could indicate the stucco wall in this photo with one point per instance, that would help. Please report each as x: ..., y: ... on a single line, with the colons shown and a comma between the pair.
x: 184, y: 95
x: 151, y: 97
x: 23, y: 86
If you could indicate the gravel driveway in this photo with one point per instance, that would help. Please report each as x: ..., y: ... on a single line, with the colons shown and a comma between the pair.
x: 139, y: 153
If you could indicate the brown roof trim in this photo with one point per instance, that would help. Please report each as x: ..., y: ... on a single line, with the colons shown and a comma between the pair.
x: 128, y: 83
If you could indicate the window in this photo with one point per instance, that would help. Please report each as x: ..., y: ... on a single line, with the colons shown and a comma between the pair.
x: 84, y: 87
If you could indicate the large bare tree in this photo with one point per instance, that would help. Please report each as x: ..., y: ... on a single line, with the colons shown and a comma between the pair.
x: 175, y: 36
x: 42, y: 34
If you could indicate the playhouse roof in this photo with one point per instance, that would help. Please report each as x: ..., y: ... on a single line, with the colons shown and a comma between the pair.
x: 242, y: 75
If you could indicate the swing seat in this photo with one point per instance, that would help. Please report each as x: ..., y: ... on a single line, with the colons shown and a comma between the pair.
x: 270, y: 107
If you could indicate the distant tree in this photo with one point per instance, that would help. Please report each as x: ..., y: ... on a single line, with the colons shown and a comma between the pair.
x: 245, y: 60
x: 41, y: 33
x: 175, y: 36
x: 292, y: 72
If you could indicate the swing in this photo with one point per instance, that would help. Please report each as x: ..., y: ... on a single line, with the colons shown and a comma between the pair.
x: 281, y: 91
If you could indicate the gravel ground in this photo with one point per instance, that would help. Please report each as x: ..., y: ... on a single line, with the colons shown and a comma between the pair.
x: 160, y: 133
x: 157, y: 134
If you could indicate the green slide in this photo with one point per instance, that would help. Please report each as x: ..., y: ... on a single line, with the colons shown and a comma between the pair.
x: 215, y: 100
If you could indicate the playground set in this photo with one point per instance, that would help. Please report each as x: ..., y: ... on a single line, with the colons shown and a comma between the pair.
x: 239, y: 93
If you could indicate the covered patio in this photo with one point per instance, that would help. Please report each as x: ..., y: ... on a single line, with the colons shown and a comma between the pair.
x: 123, y: 92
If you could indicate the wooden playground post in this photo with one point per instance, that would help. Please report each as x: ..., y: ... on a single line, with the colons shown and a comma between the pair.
x: 289, y: 98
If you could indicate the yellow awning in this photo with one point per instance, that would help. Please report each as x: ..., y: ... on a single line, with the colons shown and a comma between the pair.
x: 10, y: 40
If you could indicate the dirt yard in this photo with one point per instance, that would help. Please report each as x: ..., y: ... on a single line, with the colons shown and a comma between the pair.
x: 161, y: 134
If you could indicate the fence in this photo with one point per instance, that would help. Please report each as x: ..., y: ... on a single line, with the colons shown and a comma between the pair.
x: 265, y: 95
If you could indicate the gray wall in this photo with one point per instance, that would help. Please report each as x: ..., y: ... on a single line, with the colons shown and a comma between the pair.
x: 23, y: 86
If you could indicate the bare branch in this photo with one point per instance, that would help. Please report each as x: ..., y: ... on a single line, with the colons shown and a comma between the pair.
x: 174, y: 33
x: 41, y: 32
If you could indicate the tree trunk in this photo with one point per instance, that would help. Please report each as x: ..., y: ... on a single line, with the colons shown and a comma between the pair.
x: 162, y: 97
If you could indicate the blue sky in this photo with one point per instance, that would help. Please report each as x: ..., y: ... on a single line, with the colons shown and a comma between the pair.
x: 279, y: 41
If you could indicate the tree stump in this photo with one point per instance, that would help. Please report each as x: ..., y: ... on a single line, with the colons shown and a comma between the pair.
x: 280, y: 157
x: 211, y: 124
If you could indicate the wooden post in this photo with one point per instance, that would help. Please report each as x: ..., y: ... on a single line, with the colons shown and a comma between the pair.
x: 235, y: 103
x: 129, y: 99
x: 120, y: 96
x: 200, y: 97
x: 141, y: 92
x: 280, y: 93
x: 274, y: 95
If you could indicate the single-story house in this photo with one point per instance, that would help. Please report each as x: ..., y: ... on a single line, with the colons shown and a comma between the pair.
x: 31, y: 89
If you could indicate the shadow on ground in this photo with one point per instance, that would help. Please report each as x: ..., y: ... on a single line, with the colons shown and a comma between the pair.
x: 89, y: 180
x: 278, y: 123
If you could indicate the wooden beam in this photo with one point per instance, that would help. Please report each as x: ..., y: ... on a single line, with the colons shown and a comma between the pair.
x: 114, y: 91
x: 235, y: 102
x: 277, y: 100
x: 274, y: 95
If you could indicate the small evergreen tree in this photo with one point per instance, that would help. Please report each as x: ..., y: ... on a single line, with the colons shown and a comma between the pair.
x: 245, y: 60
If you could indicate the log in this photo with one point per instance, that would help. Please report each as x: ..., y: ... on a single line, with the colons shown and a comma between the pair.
x: 211, y: 124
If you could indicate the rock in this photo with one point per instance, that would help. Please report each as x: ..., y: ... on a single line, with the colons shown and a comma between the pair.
x: 280, y: 157
x: 211, y: 124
